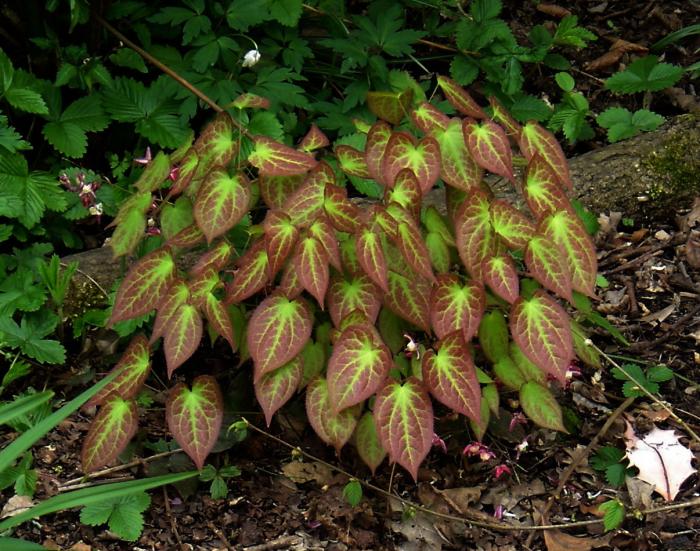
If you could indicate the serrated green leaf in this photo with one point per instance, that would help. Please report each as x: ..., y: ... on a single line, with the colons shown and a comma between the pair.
x: 124, y: 515
x: 352, y: 492
x: 27, y: 100
x: 644, y: 74
x: 614, y: 514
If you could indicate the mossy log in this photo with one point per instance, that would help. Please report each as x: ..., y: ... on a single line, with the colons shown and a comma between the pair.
x: 649, y: 177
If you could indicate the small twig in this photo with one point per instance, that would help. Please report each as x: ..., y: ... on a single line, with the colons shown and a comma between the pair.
x: 110, y: 470
x: 643, y: 389
x: 173, y: 524
x: 219, y: 534
x: 677, y: 326
x: 504, y: 526
x: 579, y: 458
x: 68, y: 488
x: 283, y: 542
x: 634, y: 263
x: 90, y: 278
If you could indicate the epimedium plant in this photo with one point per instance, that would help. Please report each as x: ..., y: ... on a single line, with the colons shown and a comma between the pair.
x: 406, y: 288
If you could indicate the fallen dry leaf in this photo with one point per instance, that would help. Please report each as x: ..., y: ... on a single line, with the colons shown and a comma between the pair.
x: 553, y: 10
x: 300, y: 472
x: 16, y: 505
x: 557, y: 540
x: 692, y: 249
x: 661, y: 459
x: 613, y: 55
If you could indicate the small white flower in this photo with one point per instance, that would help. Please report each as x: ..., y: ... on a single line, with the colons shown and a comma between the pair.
x: 251, y: 58
x: 96, y: 209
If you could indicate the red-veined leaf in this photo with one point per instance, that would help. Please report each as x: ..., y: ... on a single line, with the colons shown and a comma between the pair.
x: 221, y: 202
x: 493, y: 335
x: 356, y: 292
x: 277, y: 331
x: 357, y: 367
x: 409, y: 298
x: 250, y: 101
x: 177, y: 294
x: 428, y: 118
x: 133, y: 367
x: 380, y: 221
x: 216, y: 144
x: 460, y: 98
x: 185, y: 171
x: 110, y: 431
x: 219, y: 319
x: 390, y: 106
x: 450, y: 376
x: 201, y: 285
x: 342, y: 213
x: 144, y: 285
x: 535, y: 139
x: 457, y: 166
x: 333, y: 429
x: 377, y: 140
x: 540, y: 327
x: 356, y: 317
x: 541, y: 406
x: 306, y: 203
x: 273, y: 158
x: 323, y: 231
x: 413, y: 249
x: 542, y: 189
x: 194, y: 416
x: 215, y: 258
x: 567, y: 231
x: 422, y: 158
x: 274, y: 389
x: 280, y: 238
x: 311, y: 263
x: 489, y: 146
x: 290, y: 284
x: 405, y: 192
x: 313, y: 140
x: 181, y: 336
x: 130, y: 230
x: 502, y: 117
x: 370, y: 256
x: 352, y: 161
x: 548, y: 266
x: 275, y: 190
x: 511, y: 225
x: 474, y: 234
x: 252, y: 274
x: 187, y: 237
x: 501, y: 275
x: 403, y: 416
x: 369, y: 448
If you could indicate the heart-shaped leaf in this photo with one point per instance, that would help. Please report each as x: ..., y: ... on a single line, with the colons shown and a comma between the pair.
x: 273, y: 158
x: 501, y: 276
x: 457, y: 166
x: 221, y: 202
x: 194, y: 416
x: 409, y: 297
x: 543, y: 190
x: 504, y: 118
x: 456, y: 306
x: 357, y: 367
x: 252, y: 274
x: 377, y: 140
x: 333, y: 429
x: 277, y: 331
x: 181, y: 336
x: 540, y: 327
x: 356, y: 292
x: 133, y: 368
x: 274, y: 389
x: 216, y: 145
x: 450, y: 376
x: 423, y: 158
x: 511, y: 225
x: 474, y: 234
x: 144, y: 285
x: 548, y: 266
x: 460, y: 98
x: 306, y: 203
x: 311, y: 263
x: 280, y: 237
x: 403, y: 416
x: 342, y: 213
x: 110, y: 431
x: 313, y: 140
x: 275, y: 190
x: 352, y: 161
x: 428, y: 118
x: 535, y: 139
x: 219, y: 319
x: 370, y: 256
x: 390, y: 106
x: 489, y: 146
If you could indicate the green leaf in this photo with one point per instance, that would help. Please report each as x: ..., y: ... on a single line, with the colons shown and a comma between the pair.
x: 286, y: 12
x: 565, y: 81
x: 10, y: 140
x: 622, y: 124
x: 614, y: 514
x: 124, y: 514
x: 369, y: 448
x: 27, y: 100
x: 352, y: 492
x: 539, y: 404
x: 27, y: 336
x: 644, y: 74
x: 24, y: 404
x: 568, y: 33
x: 96, y: 494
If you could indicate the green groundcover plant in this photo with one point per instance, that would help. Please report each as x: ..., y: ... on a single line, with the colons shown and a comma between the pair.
x: 370, y: 310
